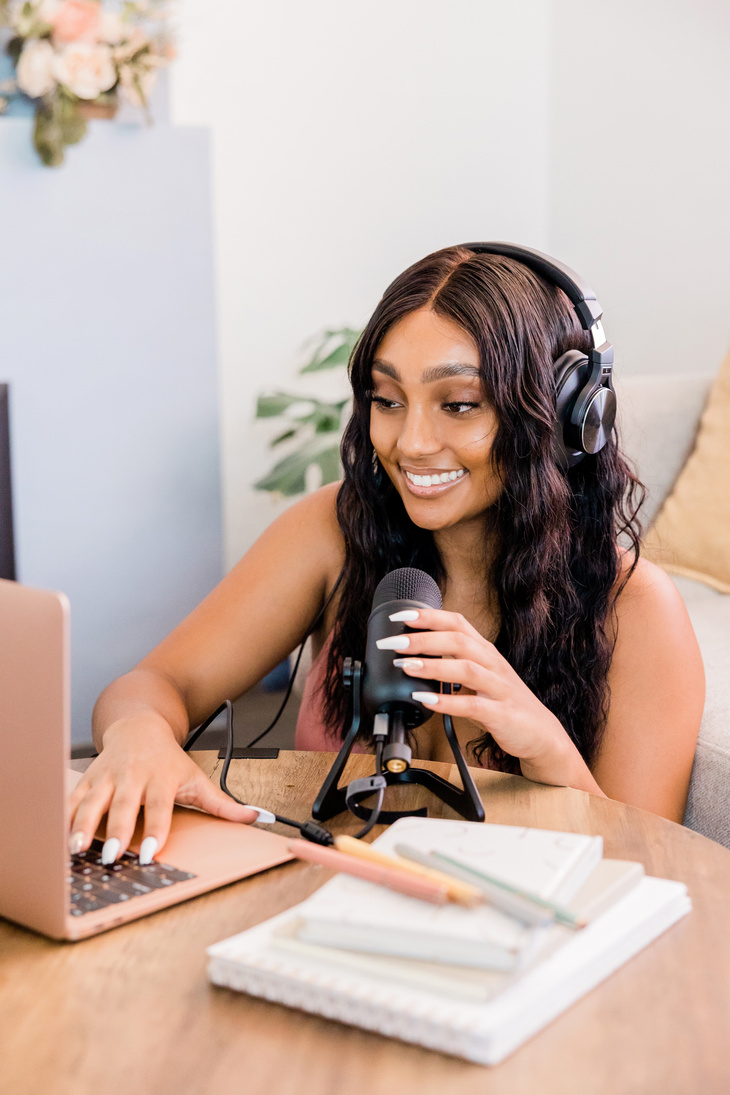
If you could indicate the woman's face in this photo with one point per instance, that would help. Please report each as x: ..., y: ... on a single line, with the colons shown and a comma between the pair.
x: 430, y: 423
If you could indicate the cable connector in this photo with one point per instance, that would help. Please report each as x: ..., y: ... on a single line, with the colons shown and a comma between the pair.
x: 315, y: 833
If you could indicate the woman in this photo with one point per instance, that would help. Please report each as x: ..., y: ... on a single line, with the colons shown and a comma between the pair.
x: 577, y: 660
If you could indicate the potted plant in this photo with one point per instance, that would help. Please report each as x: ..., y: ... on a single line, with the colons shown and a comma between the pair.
x: 313, y: 425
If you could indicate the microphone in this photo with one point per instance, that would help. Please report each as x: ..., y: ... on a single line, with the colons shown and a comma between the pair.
x: 386, y: 690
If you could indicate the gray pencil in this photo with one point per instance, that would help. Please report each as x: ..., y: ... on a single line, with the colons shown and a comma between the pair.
x: 520, y: 907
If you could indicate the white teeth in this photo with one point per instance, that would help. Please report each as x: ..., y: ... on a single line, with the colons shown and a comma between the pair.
x: 434, y: 480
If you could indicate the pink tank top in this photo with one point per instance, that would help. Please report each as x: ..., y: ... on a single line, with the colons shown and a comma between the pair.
x: 311, y: 732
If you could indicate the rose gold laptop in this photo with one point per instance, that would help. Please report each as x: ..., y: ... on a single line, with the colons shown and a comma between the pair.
x: 40, y: 887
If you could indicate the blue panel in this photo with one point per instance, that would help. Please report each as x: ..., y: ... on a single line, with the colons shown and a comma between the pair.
x: 108, y: 341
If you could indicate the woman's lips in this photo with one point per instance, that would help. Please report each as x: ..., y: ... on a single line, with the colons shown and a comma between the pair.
x: 437, y: 488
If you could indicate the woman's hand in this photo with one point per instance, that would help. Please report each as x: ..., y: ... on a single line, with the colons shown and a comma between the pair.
x: 500, y: 702
x: 142, y: 764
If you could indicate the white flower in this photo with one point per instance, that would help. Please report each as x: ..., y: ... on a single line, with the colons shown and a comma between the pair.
x: 85, y: 69
x: 24, y: 17
x: 113, y: 28
x: 35, y: 68
x: 136, y: 84
x: 47, y: 9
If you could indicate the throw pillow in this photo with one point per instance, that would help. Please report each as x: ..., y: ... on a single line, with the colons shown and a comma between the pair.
x: 691, y: 534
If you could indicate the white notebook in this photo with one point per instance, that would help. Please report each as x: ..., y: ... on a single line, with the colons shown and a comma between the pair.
x: 488, y: 1013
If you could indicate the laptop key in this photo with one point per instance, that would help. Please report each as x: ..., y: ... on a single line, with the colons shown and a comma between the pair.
x: 89, y: 903
x: 170, y: 872
x: 113, y: 897
x: 153, y: 879
x: 133, y: 889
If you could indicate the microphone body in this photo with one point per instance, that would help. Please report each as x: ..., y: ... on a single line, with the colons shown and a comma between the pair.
x: 385, y: 688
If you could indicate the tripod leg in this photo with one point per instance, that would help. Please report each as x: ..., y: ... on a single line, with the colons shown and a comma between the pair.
x: 470, y: 795
x: 331, y: 799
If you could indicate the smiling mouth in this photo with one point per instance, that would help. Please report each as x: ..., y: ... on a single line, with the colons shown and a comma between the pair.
x: 435, y: 483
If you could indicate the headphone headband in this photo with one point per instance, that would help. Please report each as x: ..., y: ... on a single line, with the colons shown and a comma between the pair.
x: 578, y: 292
x: 586, y: 403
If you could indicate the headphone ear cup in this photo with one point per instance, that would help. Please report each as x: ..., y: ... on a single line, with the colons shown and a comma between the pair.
x: 571, y: 371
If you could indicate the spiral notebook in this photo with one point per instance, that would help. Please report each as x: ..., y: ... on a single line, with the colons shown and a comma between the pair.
x: 479, y: 1014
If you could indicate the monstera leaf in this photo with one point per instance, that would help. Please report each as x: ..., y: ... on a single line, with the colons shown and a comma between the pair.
x: 313, y: 426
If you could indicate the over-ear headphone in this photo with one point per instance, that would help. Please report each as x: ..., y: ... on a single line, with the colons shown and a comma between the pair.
x: 585, y: 399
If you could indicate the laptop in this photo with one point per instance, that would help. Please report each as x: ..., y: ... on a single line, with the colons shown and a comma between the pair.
x: 41, y: 887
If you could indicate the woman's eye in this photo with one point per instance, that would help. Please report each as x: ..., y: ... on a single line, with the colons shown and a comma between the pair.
x: 462, y: 407
x: 380, y: 401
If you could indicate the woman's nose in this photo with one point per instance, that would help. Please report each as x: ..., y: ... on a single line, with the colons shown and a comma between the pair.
x: 418, y: 436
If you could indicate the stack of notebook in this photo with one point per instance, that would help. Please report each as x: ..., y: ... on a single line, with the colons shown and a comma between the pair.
x: 473, y: 982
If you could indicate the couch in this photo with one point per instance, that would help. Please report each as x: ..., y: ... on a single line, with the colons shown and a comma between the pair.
x: 658, y: 419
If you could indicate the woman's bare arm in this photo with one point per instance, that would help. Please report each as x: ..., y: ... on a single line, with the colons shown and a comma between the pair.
x: 657, y: 685
x: 253, y: 619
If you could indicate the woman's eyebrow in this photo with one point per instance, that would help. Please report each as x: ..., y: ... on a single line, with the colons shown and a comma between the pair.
x: 436, y: 372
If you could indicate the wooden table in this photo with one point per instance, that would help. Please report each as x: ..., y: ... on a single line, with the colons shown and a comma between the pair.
x: 132, y: 1012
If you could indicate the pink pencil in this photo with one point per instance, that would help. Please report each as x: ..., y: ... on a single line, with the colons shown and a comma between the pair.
x: 410, y: 885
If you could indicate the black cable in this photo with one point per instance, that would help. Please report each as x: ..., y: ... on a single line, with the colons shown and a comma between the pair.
x: 308, y: 829
x: 372, y: 821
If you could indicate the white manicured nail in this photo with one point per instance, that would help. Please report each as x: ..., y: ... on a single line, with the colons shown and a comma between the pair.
x: 76, y: 843
x: 147, y: 850
x: 394, y: 642
x: 110, y: 851
x: 408, y: 615
x: 265, y: 816
x: 426, y: 697
x: 408, y: 663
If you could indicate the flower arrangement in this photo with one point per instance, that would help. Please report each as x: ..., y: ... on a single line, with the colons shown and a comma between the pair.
x: 313, y: 426
x: 78, y: 58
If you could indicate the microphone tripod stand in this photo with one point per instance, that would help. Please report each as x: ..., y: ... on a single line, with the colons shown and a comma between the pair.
x: 333, y: 799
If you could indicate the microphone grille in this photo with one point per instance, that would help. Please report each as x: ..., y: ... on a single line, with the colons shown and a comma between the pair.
x: 407, y: 584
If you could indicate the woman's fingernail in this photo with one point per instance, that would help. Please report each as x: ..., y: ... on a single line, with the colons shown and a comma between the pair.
x: 265, y: 816
x: 110, y: 851
x: 394, y: 642
x: 426, y: 697
x: 408, y: 663
x: 75, y: 843
x: 407, y: 616
x: 147, y: 850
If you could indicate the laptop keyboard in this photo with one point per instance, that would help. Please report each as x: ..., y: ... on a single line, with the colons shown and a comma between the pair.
x: 94, y: 886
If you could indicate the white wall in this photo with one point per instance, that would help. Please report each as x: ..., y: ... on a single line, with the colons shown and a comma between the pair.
x: 640, y: 172
x: 108, y: 341
x: 349, y: 140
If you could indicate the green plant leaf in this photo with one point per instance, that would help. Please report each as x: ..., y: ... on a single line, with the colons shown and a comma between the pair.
x: 48, y: 136
x: 14, y: 49
x: 275, y: 403
x: 288, y: 476
x: 72, y: 122
x: 285, y: 436
x: 345, y: 338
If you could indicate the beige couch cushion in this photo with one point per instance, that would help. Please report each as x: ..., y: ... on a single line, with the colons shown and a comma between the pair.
x: 691, y: 534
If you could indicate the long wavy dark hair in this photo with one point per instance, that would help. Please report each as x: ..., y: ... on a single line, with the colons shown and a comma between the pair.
x: 557, y: 561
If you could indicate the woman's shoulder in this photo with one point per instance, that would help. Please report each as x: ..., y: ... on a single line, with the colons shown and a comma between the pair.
x: 642, y: 585
x: 650, y: 614
x: 310, y: 526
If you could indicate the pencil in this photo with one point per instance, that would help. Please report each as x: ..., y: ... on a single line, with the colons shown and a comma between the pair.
x: 463, y: 893
x: 561, y: 914
x: 513, y: 904
x: 422, y: 888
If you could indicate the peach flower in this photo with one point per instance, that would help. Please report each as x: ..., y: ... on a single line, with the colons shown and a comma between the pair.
x: 85, y: 69
x: 77, y: 21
